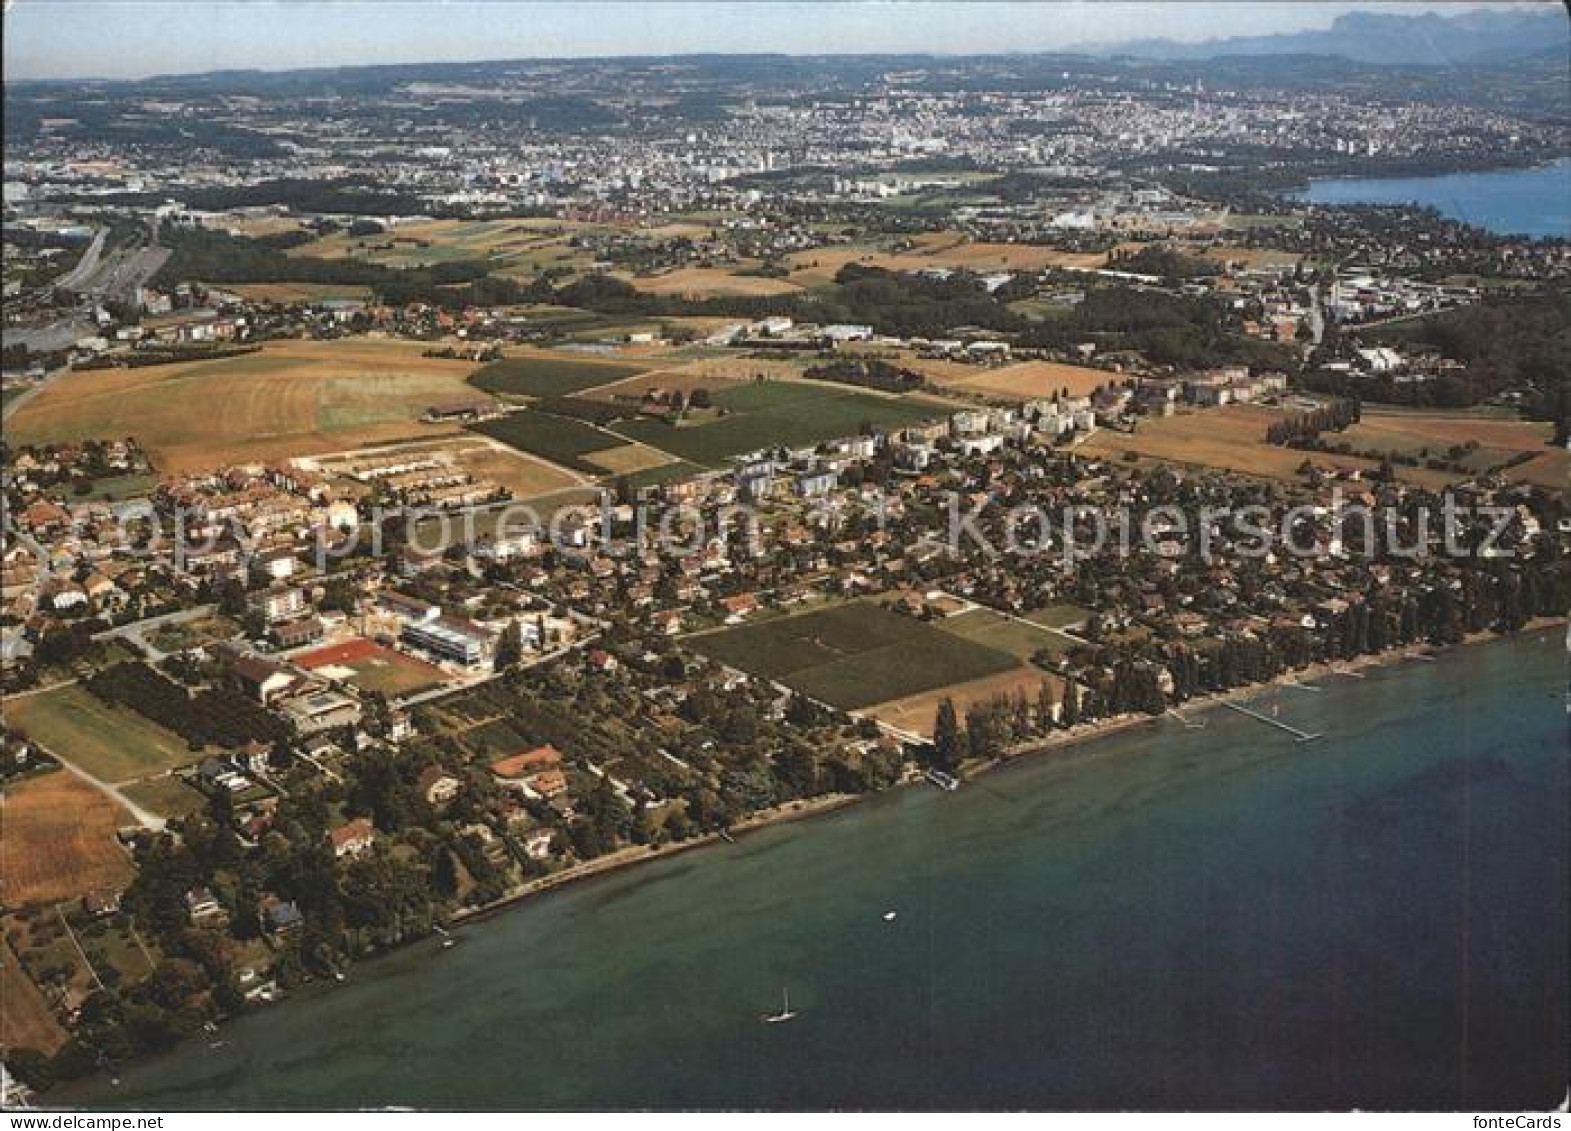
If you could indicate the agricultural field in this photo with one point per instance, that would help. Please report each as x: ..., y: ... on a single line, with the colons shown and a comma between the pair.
x: 25, y: 1018
x: 791, y: 414
x: 58, y: 840
x: 287, y: 399
x: 514, y: 247
x: 1231, y: 438
x: 818, y: 266
x: 1442, y: 436
x: 709, y: 374
x: 711, y: 282
x: 1027, y: 380
x: 853, y: 656
x: 555, y: 438
x: 286, y: 293
x: 915, y: 714
x: 550, y: 375
x: 112, y: 744
x: 371, y: 667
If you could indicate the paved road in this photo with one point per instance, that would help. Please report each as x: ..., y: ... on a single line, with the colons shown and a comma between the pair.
x: 136, y: 631
x: 87, y: 266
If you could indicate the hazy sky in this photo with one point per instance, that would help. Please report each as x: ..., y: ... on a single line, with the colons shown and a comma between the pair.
x: 135, y: 38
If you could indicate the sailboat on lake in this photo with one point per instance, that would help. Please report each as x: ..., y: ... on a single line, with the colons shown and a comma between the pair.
x: 786, y: 1012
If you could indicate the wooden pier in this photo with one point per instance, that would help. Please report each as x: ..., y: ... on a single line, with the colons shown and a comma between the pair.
x: 1298, y: 735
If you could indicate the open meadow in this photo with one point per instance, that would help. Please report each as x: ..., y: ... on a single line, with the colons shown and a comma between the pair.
x: 286, y: 399
x: 111, y: 743
x: 57, y: 840
x: 711, y: 282
x: 1023, y: 381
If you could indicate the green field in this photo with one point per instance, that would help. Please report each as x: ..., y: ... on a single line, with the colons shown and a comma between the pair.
x: 109, y: 743
x: 549, y: 376
x: 853, y: 656
x: 393, y: 674
x: 556, y: 438
x: 1017, y: 637
x: 776, y: 413
x: 1059, y: 616
x: 168, y: 797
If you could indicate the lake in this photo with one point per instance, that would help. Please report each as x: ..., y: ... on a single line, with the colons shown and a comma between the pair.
x: 1164, y: 918
x: 1531, y: 201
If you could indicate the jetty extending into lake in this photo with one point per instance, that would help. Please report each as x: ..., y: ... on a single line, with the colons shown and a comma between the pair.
x: 1298, y: 735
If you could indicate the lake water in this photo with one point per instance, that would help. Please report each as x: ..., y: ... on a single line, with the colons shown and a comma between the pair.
x: 1165, y: 918
x: 1532, y: 202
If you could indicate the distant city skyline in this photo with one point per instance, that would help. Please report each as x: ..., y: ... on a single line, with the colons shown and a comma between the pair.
x: 127, y: 39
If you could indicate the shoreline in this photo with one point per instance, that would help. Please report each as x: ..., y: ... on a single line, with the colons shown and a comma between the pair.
x: 1056, y: 745
x: 1061, y: 741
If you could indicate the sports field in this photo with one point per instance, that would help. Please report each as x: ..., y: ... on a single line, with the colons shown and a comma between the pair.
x: 111, y: 743
x: 777, y: 413
x: 371, y: 667
x: 289, y: 398
x: 853, y: 656
x: 57, y: 840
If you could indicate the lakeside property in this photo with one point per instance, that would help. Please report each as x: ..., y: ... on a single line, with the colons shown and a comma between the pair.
x: 1215, y: 869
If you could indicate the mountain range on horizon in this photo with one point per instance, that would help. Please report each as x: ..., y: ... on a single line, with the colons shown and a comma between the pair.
x: 1472, y: 38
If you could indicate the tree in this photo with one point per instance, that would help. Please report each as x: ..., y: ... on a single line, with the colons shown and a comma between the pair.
x: 509, y: 647
x: 948, y: 742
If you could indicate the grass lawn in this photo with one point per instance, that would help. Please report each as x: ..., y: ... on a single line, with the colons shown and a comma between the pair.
x: 167, y: 796
x: 854, y: 655
x: 549, y: 376
x: 110, y: 743
x: 777, y: 413
x: 983, y: 626
x: 1060, y: 616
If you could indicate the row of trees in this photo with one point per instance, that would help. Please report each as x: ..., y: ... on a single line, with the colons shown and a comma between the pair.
x: 1305, y: 427
x: 214, y: 716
